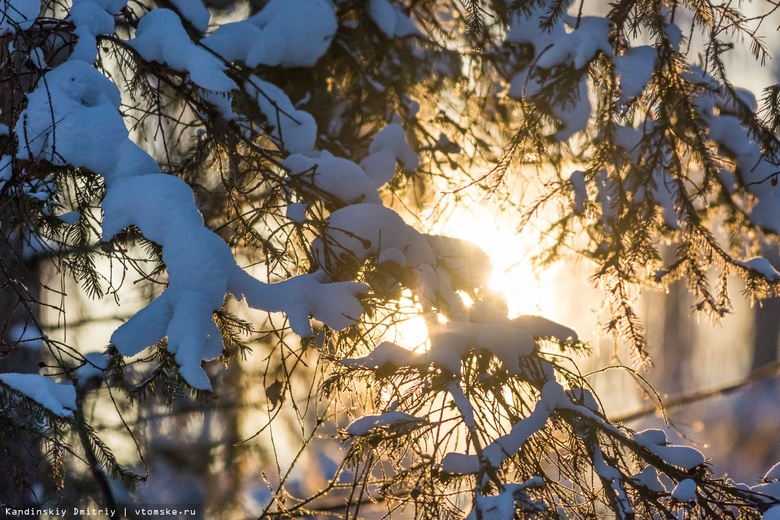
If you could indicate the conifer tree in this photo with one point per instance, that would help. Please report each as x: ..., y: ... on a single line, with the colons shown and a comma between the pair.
x: 256, y: 170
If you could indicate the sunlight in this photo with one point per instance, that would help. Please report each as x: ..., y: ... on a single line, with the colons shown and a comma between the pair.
x: 526, y: 291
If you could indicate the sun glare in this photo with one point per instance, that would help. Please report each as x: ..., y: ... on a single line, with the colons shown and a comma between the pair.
x: 526, y: 291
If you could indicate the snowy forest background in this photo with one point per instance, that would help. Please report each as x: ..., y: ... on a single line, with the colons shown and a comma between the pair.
x: 247, y: 248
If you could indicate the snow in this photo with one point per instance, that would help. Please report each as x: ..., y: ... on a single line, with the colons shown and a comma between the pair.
x: 388, y: 147
x: 6, y: 169
x: 390, y: 20
x: 648, y: 478
x: 655, y: 441
x: 663, y: 187
x: 18, y: 15
x: 84, y: 103
x: 192, y: 335
x: 494, y: 507
x: 674, y: 34
x: 335, y: 304
x: 146, y: 327
x: 634, y: 69
x: 238, y: 41
x: 76, y: 103
x: 761, y: 266
x: 580, y: 190
x: 451, y: 342
x: 161, y: 37
x: 335, y: 176
x: 509, y: 444
x: 503, y: 505
x: 364, y: 425
x: 725, y: 128
x: 467, y: 265
x: 58, y: 398
x: 37, y: 59
x: 287, y: 33
x: 293, y: 130
x: 391, y: 255
x: 557, y: 47
x: 160, y: 205
x: 538, y: 327
x: 650, y: 437
x: 296, y: 211
x: 573, y: 115
x: 773, y: 473
x: 355, y: 232
x: 613, y: 476
x: 578, y: 47
x: 385, y: 353
x: 462, y: 403
x: 201, y: 269
x: 296, y: 33
x: 133, y: 160
x: 92, y: 18
x: 195, y: 13
x: 685, y: 491
x: 524, y: 28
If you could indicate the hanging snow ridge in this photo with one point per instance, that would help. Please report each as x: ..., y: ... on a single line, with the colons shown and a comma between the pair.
x: 296, y: 33
x: 18, y: 15
x: 510, y: 443
x: 685, y: 491
x: 335, y: 176
x: 648, y: 478
x: 504, y: 504
x: 92, y: 18
x: 541, y: 327
x: 634, y: 69
x: 761, y: 266
x: 388, y: 147
x: 364, y: 425
x: 195, y: 12
x: 58, y: 398
x: 161, y: 38
x: 391, y: 21
x: 83, y: 103
x: 385, y: 353
x: 201, y: 271
x: 578, y: 47
x: 292, y: 129
x: 286, y: 33
x: 655, y: 441
x: 238, y: 41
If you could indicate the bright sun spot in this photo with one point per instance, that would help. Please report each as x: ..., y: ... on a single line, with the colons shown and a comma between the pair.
x: 526, y: 291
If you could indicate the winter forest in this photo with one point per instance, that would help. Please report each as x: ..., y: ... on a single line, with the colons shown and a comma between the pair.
x: 483, y: 259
